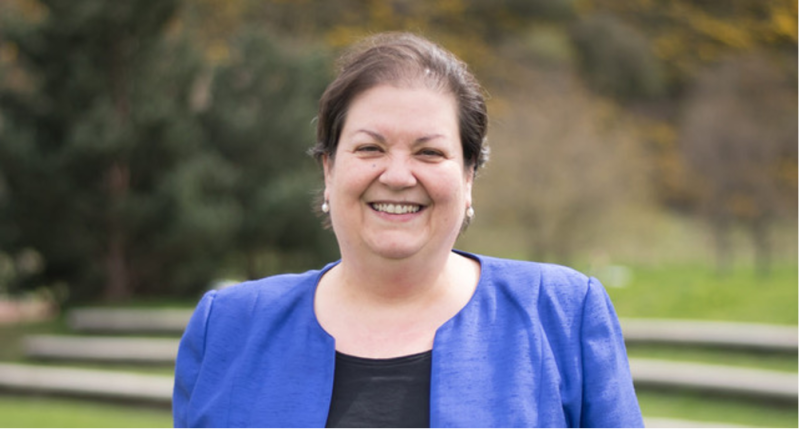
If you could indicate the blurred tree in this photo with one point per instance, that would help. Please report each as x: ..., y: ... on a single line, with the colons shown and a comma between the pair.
x: 615, y: 59
x: 472, y: 29
x: 566, y: 159
x: 107, y: 174
x: 261, y: 103
x: 687, y: 35
x: 685, y: 38
x: 739, y: 137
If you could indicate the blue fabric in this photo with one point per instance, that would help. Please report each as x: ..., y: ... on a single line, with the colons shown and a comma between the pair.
x: 538, y: 345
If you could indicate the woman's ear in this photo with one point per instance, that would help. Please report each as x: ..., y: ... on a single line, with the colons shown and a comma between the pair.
x: 327, y: 168
x: 468, y: 186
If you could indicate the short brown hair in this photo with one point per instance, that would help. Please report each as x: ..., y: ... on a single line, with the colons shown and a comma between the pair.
x: 403, y: 58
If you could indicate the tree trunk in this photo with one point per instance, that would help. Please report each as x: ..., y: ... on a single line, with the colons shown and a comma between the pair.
x: 722, y: 245
x: 117, y: 281
x: 118, y: 285
x: 251, y: 257
x: 759, y: 230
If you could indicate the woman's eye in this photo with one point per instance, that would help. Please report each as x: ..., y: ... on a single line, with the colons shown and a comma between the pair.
x: 368, y: 149
x: 430, y: 153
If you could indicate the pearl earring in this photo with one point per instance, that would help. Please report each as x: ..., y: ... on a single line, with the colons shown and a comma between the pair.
x: 325, y: 207
x: 470, y: 212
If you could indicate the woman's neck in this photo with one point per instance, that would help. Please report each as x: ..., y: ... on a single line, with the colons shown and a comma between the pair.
x: 394, y: 281
x: 389, y: 310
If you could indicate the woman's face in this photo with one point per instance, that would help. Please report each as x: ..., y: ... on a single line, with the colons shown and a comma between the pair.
x: 397, y: 186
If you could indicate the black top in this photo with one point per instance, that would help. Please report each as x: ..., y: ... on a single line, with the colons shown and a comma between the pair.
x: 381, y: 392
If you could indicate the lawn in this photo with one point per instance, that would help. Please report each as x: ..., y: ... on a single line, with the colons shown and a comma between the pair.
x: 692, y: 406
x: 694, y: 291
x: 49, y: 412
x: 697, y: 291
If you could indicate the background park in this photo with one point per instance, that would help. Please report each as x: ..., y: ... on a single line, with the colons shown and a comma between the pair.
x: 152, y: 149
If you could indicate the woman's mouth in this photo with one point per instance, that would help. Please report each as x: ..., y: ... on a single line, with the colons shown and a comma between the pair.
x: 396, y: 208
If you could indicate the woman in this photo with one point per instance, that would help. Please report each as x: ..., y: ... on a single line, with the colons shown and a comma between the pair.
x: 404, y: 331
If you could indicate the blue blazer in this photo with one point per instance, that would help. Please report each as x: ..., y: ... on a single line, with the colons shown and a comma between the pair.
x: 537, y: 345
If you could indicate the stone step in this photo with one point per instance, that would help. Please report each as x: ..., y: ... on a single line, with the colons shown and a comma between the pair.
x: 745, y: 382
x: 646, y: 372
x: 110, y: 385
x: 752, y: 336
x: 656, y: 422
x: 149, y: 351
x: 154, y: 389
x: 129, y: 321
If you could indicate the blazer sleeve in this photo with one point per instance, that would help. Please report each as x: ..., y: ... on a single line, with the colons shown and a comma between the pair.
x: 190, y: 359
x: 609, y: 399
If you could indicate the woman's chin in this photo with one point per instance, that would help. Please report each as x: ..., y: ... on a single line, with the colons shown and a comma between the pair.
x: 397, y: 248
x: 396, y: 252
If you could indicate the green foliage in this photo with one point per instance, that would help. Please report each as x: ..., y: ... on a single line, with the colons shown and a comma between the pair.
x: 133, y: 167
x: 615, y: 59
x: 260, y: 120
x: 73, y: 135
x: 145, y: 147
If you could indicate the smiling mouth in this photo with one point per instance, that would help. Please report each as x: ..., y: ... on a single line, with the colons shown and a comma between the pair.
x: 396, y: 208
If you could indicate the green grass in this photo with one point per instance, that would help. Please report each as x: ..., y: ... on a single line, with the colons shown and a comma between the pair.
x: 706, y: 408
x: 698, y: 292
x: 11, y: 336
x: 49, y: 412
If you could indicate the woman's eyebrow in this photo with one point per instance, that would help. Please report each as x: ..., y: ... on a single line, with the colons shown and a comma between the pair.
x: 427, y: 138
x: 379, y: 137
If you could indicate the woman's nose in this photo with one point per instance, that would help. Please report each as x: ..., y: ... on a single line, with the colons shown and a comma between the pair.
x: 398, y: 173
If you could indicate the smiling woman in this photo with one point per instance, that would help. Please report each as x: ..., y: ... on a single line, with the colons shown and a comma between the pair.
x: 398, y: 188
x: 405, y: 331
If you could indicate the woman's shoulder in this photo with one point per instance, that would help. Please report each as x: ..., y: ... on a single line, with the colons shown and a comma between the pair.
x: 554, y: 295
x: 524, y: 272
x: 534, y: 282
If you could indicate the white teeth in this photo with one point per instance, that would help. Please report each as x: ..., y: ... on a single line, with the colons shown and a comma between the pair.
x: 396, y: 208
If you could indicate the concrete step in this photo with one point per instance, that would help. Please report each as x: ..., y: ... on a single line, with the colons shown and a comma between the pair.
x: 746, y: 382
x: 109, y: 385
x: 655, y: 422
x: 752, y: 336
x: 148, y: 351
x: 646, y: 372
x: 154, y: 389
x: 129, y: 321
x: 771, y: 338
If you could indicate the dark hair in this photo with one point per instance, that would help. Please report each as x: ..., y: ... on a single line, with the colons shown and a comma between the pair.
x: 403, y: 58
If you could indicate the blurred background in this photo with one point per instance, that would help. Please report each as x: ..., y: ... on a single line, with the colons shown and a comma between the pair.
x: 153, y: 149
